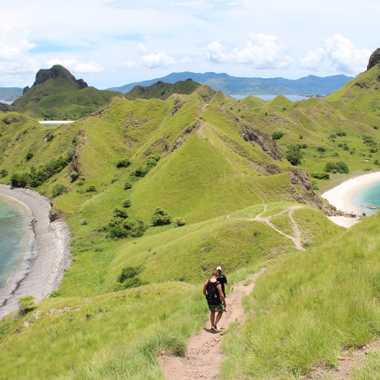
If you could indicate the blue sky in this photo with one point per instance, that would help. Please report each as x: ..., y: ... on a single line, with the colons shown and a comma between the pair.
x: 113, y: 42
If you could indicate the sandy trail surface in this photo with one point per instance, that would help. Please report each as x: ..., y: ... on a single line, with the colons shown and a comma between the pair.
x: 47, y: 251
x: 204, y: 355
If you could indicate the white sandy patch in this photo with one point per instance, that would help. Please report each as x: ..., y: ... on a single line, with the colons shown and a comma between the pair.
x: 56, y: 122
x: 342, y: 197
x: 46, y: 254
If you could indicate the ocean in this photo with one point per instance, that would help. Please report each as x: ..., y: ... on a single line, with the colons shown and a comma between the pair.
x: 12, y: 225
x: 369, y: 199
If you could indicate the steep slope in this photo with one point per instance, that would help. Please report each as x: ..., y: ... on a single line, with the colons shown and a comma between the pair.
x: 56, y: 94
x: 230, y: 85
x: 214, y: 165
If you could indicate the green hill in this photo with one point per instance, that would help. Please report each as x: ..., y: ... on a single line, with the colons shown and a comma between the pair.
x: 161, y: 90
x: 56, y: 94
x: 211, y: 164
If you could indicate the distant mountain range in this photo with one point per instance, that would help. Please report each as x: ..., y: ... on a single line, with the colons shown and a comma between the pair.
x: 230, y: 85
x: 9, y: 94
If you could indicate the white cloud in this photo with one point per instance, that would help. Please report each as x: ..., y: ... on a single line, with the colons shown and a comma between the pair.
x: 157, y: 59
x: 262, y: 51
x: 77, y: 66
x: 337, y: 54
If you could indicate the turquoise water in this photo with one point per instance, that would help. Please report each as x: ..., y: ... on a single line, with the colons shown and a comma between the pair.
x: 369, y: 198
x: 11, y: 232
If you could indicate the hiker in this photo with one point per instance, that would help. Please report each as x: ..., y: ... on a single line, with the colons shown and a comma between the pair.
x: 222, y: 279
x: 213, y: 292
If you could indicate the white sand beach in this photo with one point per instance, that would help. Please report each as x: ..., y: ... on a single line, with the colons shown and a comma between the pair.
x: 342, y: 197
x: 46, y: 255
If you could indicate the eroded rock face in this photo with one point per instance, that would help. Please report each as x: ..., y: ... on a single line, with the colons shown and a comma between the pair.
x: 374, y: 59
x: 56, y: 72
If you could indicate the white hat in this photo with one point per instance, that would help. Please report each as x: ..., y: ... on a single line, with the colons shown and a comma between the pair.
x: 219, y: 268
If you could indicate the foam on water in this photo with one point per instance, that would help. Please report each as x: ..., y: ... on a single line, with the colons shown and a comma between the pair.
x: 368, y: 200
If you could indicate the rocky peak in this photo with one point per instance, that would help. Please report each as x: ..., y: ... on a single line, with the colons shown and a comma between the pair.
x: 374, y: 59
x: 57, y: 72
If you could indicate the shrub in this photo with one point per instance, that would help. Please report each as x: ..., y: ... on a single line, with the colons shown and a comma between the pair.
x: 337, y: 167
x: 19, y: 180
x: 74, y: 175
x: 91, y: 189
x: 127, y: 186
x: 134, y: 228
x: 294, y: 154
x: 120, y: 228
x: 49, y: 137
x: 150, y: 163
x: 117, y: 213
x: 324, y: 176
x: 341, y: 134
x: 160, y: 218
x: 59, y: 190
x: 3, y: 173
x: 127, y: 203
x: 128, y: 277
x: 277, y: 135
x: 29, y: 156
x: 26, y: 304
x: 123, y: 163
x: 321, y: 149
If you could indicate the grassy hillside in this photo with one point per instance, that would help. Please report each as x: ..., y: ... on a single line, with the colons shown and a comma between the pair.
x: 212, y: 165
x: 57, y: 95
x: 161, y: 90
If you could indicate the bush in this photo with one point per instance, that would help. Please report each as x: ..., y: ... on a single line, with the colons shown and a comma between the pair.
x: 59, y: 190
x: 150, y: 163
x: 128, y: 277
x: 123, y: 163
x: 29, y: 156
x: 127, y: 203
x: 20, y: 180
x: 117, y: 213
x: 120, y: 228
x: 277, y: 135
x: 91, y: 189
x: 3, y: 173
x: 324, y: 176
x: 321, y: 149
x: 26, y: 304
x: 49, y: 137
x: 74, y: 175
x: 160, y: 218
x: 337, y: 167
x: 294, y: 154
x: 341, y: 134
x: 127, y: 186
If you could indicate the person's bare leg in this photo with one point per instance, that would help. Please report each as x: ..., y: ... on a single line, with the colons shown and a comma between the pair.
x: 212, y: 319
x: 218, y: 318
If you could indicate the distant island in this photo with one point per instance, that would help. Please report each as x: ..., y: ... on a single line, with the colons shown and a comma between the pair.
x: 239, y: 86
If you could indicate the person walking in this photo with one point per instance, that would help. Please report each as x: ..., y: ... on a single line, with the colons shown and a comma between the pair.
x: 216, y: 300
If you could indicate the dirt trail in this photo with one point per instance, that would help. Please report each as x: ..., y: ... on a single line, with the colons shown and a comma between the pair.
x: 349, y: 361
x: 204, y: 356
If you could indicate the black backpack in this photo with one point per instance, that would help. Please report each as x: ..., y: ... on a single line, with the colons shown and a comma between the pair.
x: 212, y: 292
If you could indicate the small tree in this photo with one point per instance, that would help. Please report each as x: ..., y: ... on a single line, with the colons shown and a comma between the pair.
x: 117, y: 213
x: 20, y: 180
x: 161, y: 218
x: 127, y: 203
x: 123, y: 163
x: 58, y: 190
x: 294, y: 154
x: 277, y: 135
x: 127, y: 186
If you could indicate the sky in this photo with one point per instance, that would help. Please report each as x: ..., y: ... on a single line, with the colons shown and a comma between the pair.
x: 114, y: 42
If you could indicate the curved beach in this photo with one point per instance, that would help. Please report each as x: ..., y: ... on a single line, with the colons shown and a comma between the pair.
x: 342, y: 197
x: 46, y: 250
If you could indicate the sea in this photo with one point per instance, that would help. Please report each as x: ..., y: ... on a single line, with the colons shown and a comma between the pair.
x: 12, y: 228
x: 293, y: 98
x: 368, y: 200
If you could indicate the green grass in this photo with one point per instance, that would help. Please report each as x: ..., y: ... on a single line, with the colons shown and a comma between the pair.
x: 307, y: 308
x: 371, y: 368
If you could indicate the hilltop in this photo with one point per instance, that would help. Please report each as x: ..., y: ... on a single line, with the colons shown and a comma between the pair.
x: 161, y: 90
x: 230, y: 85
x: 57, y: 94
x: 157, y: 192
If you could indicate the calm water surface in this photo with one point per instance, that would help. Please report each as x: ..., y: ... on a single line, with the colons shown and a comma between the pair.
x: 11, y: 231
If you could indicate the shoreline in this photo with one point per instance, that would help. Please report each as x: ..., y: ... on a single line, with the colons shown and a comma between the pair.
x: 46, y: 250
x: 342, y: 197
